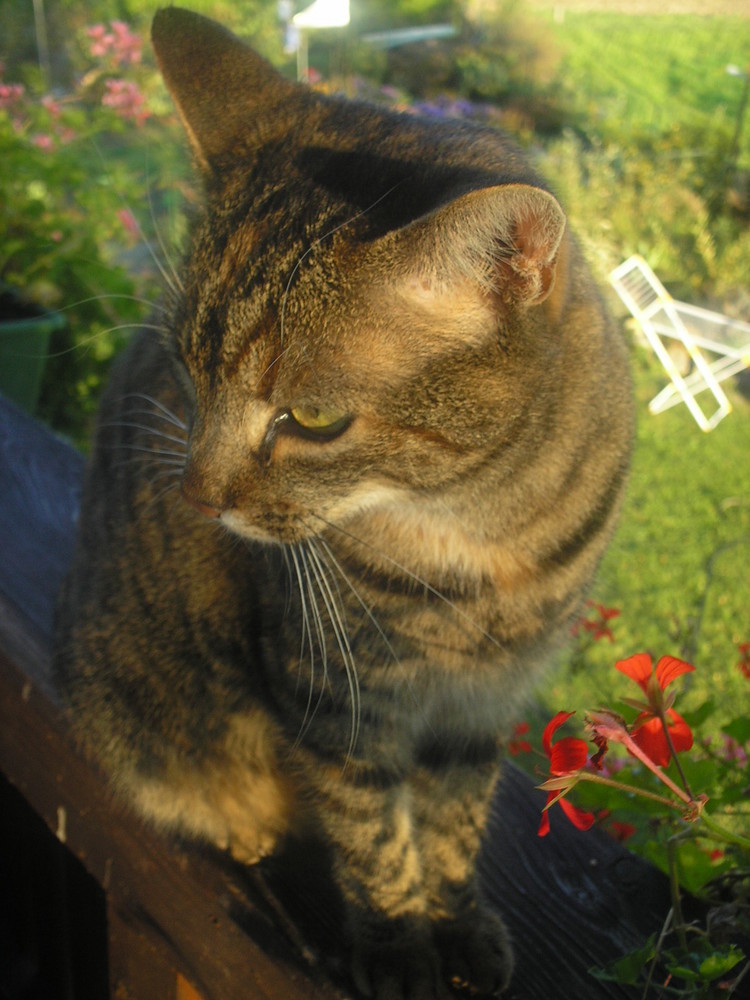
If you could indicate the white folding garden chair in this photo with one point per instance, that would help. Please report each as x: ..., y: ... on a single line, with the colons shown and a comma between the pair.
x: 718, y: 347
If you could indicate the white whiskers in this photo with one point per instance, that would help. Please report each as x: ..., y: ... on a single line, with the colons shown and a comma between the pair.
x: 414, y: 576
x: 321, y: 606
x: 337, y: 616
x: 168, y: 449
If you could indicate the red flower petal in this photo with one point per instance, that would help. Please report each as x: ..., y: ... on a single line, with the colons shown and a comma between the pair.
x: 543, y: 824
x: 669, y: 668
x: 578, y: 817
x: 621, y: 831
x: 552, y: 726
x: 568, y: 754
x: 637, y: 667
x: 679, y: 730
x: 649, y: 736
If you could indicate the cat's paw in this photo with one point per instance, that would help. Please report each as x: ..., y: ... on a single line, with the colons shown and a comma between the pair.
x: 249, y: 847
x: 419, y: 961
x: 398, y: 961
x: 476, y: 954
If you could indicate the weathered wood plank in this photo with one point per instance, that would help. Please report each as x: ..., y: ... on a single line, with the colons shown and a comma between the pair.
x: 181, y: 903
x: 137, y: 967
x: 571, y: 900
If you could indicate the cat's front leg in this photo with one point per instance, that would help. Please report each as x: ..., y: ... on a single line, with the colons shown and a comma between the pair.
x: 367, y: 815
x: 236, y: 798
x: 451, y: 802
x: 414, y: 926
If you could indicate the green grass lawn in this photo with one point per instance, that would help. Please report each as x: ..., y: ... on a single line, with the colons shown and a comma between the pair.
x: 654, y: 73
x: 679, y: 566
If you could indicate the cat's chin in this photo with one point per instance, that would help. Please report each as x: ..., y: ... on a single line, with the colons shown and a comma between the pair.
x: 235, y: 523
x: 342, y: 515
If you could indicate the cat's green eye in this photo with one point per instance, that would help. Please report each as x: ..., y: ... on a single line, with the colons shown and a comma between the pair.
x: 320, y: 422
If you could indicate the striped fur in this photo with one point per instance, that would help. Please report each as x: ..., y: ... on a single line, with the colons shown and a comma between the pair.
x: 270, y: 627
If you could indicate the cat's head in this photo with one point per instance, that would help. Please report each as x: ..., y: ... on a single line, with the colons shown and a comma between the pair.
x: 369, y: 308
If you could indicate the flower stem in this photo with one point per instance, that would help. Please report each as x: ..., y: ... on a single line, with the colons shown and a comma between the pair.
x: 727, y: 836
x: 715, y: 829
x: 673, y: 753
x: 664, y: 778
x: 599, y: 779
x: 674, y: 890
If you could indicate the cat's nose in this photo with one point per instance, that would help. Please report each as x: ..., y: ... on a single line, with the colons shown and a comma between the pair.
x: 207, y: 509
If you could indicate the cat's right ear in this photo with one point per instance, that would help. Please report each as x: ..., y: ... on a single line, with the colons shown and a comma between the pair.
x: 227, y: 96
x: 501, y: 244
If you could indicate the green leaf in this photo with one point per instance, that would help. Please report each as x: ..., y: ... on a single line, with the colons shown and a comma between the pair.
x: 738, y: 729
x: 627, y: 970
x: 720, y: 963
x: 698, y: 716
x: 700, y: 773
x: 683, y: 972
x: 694, y: 866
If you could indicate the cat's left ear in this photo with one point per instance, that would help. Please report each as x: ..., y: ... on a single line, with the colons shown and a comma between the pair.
x: 503, y: 240
x: 228, y: 97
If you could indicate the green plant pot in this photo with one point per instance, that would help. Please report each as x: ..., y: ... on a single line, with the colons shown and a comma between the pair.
x: 25, y: 331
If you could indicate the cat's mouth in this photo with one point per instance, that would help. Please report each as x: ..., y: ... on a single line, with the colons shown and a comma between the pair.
x: 287, y: 524
x: 272, y: 528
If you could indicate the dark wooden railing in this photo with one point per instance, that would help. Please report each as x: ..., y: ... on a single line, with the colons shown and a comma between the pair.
x: 94, y: 904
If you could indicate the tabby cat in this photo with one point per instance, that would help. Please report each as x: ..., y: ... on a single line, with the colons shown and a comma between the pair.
x: 344, y: 505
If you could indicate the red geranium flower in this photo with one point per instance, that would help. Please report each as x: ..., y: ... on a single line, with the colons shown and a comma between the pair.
x: 616, y: 828
x: 744, y: 662
x: 598, y: 627
x: 516, y: 744
x: 648, y: 729
x: 566, y: 759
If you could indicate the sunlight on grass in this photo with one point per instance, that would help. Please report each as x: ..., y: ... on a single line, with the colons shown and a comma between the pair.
x: 678, y: 566
x: 655, y: 72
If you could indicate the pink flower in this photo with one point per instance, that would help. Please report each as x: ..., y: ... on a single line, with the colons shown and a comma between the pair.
x: 43, y: 141
x: 606, y: 726
x: 52, y: 106
x: 124, y: 97
x: 100, y: 40
x: 732, y: 751
x: 129, y: 223
x: 126, y: 44
x: 120, y: 43
x: 10, y: 94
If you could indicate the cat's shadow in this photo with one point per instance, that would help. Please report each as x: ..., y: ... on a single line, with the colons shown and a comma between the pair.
x: 289, y: 905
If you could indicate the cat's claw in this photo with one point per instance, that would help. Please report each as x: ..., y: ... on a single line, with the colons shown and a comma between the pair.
x: 442, y: 963
x: 476, y: 954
